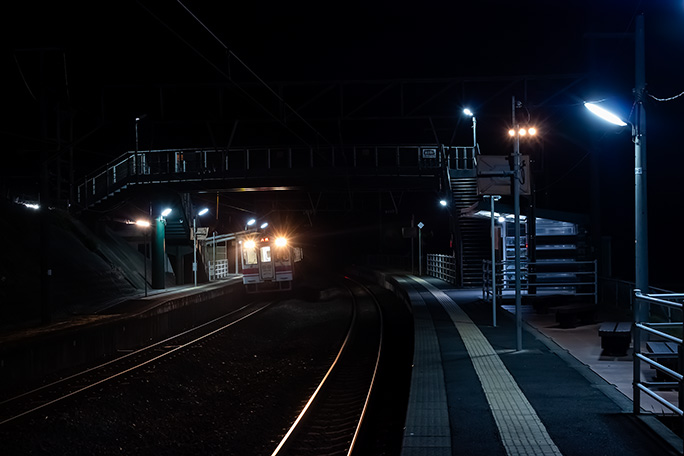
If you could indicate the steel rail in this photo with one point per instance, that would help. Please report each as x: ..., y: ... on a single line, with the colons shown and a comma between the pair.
x: 282, y: 447
x: 129, y: 369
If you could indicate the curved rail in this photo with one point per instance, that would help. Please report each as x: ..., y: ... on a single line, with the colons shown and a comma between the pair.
x: 346, y: 388
x: 24, y: 404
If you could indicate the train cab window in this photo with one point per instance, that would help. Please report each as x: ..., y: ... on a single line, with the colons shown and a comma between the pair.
x: 249, y: 256
x: 265, y: 254
x: 283, y: 255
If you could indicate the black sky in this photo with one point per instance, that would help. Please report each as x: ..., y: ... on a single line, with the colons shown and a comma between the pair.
x: 87, y: 46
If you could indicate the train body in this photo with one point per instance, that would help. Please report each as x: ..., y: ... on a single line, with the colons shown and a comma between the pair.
x: 268, y: 262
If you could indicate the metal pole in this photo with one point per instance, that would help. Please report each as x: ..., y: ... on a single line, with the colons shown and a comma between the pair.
x: 420, y: 252
x: 214, y: 255
x: 194, y: 247
x: 492, y: 199
x: 641, y: 207
x: 474, y: 133
x: 135, y: 160
x: 145, y: 255
x: 516, y: 210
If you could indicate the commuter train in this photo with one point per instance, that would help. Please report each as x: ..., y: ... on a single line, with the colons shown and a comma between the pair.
x: 268, y: 262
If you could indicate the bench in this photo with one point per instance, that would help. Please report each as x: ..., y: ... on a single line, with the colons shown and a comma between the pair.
x: 615, y: 337
x: 665, y: 353
x: 569, y: 316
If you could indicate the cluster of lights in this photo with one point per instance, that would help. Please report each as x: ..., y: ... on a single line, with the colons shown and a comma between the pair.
x: 523, y: 132
x: 279, y: 242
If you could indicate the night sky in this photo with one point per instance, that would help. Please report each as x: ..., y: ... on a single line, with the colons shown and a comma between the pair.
x: 85, y: 56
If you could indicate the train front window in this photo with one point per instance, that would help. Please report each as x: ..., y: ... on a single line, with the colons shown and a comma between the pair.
x: 249, y: 256
x: 265, y: 254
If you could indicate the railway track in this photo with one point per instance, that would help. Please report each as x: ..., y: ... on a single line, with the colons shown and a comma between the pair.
x: 37, y: 399
x: 332, y: 419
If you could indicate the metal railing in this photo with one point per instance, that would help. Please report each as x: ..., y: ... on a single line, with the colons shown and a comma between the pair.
x: 442, y: 267
x: 661, y: 331
x: 218, y: 269
x: 579, y: 278
x: 174, y: 165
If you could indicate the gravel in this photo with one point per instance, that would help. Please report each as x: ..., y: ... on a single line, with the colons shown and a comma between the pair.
x: 235, y: 394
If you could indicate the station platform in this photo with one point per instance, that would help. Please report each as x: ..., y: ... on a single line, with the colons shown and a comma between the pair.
x: 473, y: 392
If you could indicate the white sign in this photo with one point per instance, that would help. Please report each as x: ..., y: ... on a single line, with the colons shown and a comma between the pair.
x: 492, y: 178
x: 420, y: 225
x: 429, y: 153
x: 202, y: 232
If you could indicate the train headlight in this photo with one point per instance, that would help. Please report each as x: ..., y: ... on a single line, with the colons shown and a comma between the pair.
x: 281, y: 242
x: 250, y: 244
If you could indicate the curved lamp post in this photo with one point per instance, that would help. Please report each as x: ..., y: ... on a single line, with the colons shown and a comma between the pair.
x: 145, y: 225
x: 640, y: 195
x: 194, y: 239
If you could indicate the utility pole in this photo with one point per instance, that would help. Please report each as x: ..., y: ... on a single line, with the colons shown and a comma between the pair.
x: 640, y: 197
x: 515, y: 182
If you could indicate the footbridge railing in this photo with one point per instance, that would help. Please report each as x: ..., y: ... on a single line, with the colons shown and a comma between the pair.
x: 181, y: 165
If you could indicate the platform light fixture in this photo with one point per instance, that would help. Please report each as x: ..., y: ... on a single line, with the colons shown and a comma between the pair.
x: 604, y: 114
x: 194, y: 239
x: 470, y: 113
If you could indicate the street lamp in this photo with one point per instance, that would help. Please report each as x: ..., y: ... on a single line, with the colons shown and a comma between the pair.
x: 250, y: 222
x: 145, y: 225
x: 194, y: 238
x: 516, y: 133
x: 162, y: 219
x: 470, y: 113
x: 135, y: 163
x: 640, y: 195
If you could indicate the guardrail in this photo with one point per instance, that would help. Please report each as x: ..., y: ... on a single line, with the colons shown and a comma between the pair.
x: 662, y: 331
x: 542, y: 278
x: 218, y: 270
x: 442, y: 267
x: 173, y: 165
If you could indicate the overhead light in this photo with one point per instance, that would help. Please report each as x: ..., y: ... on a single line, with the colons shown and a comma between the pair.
x: 604, y: 114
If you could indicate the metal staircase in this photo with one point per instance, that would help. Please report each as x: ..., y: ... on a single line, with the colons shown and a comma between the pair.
x: 472, y: 233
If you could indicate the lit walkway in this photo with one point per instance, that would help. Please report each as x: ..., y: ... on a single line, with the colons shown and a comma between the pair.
x: 471, y: 393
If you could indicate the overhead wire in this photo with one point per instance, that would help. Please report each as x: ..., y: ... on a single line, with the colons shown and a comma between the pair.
x: 252, y: 72
x: 223, y: 73
x: 232, y: 55
x: 666, y: 99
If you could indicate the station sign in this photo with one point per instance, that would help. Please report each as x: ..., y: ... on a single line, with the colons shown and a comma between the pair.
x: 493, y: 175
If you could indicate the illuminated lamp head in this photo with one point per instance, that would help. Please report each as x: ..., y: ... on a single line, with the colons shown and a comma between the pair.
x: 280, y: 242
x: 250, y: 244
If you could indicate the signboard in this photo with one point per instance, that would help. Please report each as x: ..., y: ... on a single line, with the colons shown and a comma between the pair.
x: 202, y: 233
x: 429, y: 153
x: 493, y: 175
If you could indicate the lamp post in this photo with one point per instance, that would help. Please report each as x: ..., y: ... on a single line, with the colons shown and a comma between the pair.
x: 639, y: 139
x: 135, y: 163
x: 145, y: 225
x: 516, y: 133
x: 194, y: 239
x: 165, y: 213
x: 492, y: 200
x: 470, y: 113
x: 640, y: 196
